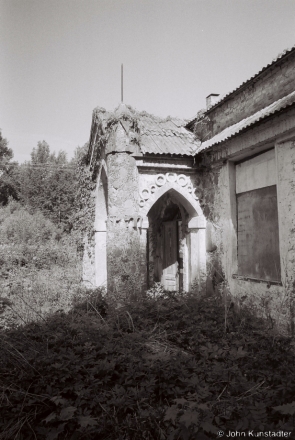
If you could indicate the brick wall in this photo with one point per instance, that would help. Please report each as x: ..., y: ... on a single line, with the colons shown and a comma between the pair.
x: 273, y: 84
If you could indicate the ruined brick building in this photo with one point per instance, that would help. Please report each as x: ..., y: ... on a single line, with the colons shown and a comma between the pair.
x: 203, y: 203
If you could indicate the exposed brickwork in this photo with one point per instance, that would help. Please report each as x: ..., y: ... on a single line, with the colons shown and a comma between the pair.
x: 272, y: 85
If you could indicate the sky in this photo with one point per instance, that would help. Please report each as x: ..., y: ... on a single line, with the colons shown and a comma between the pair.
x: 62, y: 58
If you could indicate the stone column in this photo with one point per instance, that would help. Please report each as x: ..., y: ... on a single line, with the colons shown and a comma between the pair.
x: 101, y: 254
x: 197, y: 251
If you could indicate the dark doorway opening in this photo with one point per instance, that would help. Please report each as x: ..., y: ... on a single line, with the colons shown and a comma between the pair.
x: 166, y: 219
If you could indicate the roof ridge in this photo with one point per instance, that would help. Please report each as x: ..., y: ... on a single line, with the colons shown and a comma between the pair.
x: 273, y: 62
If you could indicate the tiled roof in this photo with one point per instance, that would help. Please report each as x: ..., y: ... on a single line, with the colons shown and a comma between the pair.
x: 156, y: 135
x: 165, y: 136
x: 233, y: 130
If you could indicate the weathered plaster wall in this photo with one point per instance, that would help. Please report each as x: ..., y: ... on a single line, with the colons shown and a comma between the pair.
x: 286, y: 204
x: 272, y: 85
x: 272, y: 301
x: 122, y: 185
x: 203, y: 242
x: 118, y: 251
x: 126, y: 241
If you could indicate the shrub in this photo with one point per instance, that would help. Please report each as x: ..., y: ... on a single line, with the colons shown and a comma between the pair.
x: 19, y: 226
x: 40, y: 269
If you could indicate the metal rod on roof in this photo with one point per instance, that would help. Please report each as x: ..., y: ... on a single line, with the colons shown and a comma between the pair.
x: 122, y: 83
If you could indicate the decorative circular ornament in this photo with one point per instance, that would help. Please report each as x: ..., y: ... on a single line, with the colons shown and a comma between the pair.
x: 153, y: 189
x: 171, y: 177
x: 160, y: 180
x: 145, y: 194
x: 190, y: 189
x: 141, y: 203
x: 182, y: 180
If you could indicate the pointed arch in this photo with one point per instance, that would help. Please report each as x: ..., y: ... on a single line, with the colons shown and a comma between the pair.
x: 190, y: 265
x: 191, y: 205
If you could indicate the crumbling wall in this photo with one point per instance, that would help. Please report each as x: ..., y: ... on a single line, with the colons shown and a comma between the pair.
x: 126, y: 241
x: 286, y: 208
x: 206, y: 182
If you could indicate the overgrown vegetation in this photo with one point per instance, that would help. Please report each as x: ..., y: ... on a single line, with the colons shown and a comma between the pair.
x: 161, y: 368
x: 40, y: 268
x: 76, y: 364
x: 40, y: 254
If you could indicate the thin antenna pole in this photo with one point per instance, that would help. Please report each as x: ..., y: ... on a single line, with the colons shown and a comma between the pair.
x: 121, y: 82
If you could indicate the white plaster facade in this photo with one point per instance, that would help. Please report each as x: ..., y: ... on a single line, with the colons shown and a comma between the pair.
x: 155, y: 174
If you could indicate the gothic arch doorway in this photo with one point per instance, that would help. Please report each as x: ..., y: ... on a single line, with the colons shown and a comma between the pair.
x: 101, y: 215
x: 177, y: 255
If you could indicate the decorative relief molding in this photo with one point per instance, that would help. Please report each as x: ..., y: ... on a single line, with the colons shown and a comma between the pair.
x: 134, y: 221
x: 160, y: 180
x: 182, y: 180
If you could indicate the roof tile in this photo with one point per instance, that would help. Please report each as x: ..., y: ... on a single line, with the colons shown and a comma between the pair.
x: 165, y: 136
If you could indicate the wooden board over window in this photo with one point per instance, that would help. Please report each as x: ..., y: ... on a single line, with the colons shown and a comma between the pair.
x: 258, y: 237
x: 257, y: 172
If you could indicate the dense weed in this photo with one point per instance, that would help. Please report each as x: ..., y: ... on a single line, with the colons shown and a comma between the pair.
x: 40, y: 269
x: 160, y: 368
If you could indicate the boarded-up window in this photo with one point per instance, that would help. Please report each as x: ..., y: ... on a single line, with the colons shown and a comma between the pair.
x: 258, y: 231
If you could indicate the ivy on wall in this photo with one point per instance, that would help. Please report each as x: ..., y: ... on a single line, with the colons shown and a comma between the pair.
x: 89, y: 162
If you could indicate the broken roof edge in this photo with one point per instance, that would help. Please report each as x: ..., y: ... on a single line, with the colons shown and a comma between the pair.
x: 126, y: 109
x: 144, y: 124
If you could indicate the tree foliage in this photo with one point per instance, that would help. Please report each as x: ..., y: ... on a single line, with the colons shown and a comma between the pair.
x: 6, y: 153
x: 48, y: 183
x: 8, y: 186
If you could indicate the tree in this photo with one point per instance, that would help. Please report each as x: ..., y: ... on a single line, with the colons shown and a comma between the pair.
x: 6, y: 153
x: 8, y: 185
x: 48, y: 183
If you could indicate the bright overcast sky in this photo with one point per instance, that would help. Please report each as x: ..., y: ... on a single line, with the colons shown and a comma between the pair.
x: 62, y: 58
